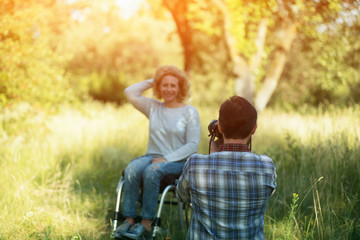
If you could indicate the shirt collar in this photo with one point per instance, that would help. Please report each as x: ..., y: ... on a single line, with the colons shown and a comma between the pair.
x: 234, y: 147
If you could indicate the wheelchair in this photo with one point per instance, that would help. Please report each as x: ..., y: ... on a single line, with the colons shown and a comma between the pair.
x: 167, y: 186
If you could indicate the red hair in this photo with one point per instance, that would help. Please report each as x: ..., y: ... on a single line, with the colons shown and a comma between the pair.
x: 184, y: 84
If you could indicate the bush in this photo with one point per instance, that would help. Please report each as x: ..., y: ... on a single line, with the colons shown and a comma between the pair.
x: 31, y: 63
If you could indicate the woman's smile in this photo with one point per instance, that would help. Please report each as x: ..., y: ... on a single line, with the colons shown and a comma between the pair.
x: 169, y: 89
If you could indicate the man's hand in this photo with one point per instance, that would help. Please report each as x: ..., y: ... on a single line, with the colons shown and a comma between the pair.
x: 215, y: 146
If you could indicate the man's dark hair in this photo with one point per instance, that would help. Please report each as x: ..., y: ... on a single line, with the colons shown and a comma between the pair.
x: 237, y: 117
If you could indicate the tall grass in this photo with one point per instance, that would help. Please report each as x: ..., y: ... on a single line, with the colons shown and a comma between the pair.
x: 307, y: 147
x: 59, y: 171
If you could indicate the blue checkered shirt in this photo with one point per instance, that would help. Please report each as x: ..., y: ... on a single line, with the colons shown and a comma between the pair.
x: 228, y: 191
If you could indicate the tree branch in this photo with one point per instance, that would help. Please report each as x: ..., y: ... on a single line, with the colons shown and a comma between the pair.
x: 259, y: 42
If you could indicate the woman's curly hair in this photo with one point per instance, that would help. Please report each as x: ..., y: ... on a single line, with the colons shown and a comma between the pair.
x: 184, y: 84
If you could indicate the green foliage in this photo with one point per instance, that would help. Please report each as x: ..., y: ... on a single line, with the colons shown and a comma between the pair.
x: 197, y: 12
x: 31, y: 64
x: 73, y: 50
x: 232, y: 29
x: 322, y: 68
x: 218, y: 89
x: 291, y: 221
x: 322, y: 143
x: 245, y: 17
x: 112, y: 52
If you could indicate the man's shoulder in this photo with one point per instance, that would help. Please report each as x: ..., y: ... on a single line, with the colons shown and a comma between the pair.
x: 199, y: 159
x: 268, y: 164
x: 265, y: 158
x: 198, y: 156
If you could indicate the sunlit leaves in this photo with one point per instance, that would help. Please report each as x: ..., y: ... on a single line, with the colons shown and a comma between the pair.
x: 202, y: 18
x: 323, y: 66
x: 49, y: 49
x: 112, y: 52
x: 31, y: 68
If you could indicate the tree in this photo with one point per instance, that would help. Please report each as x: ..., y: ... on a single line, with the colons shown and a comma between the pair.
x: 189, y: 18
x: 323, y: 68
x: 258, y: 36
x: 178, y: 10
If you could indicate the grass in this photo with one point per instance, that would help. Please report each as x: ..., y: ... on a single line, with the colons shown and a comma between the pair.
x: 59, y: 171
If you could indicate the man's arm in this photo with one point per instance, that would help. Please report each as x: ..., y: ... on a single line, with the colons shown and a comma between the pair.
x: 182, y: 187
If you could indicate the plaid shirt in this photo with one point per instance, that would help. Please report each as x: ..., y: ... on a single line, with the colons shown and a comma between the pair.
x: 228, y: 191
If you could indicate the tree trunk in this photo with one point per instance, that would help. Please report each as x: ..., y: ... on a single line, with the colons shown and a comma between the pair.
x: 276, y: 65
x: 244, y: 85
x: 178, y: 10
x: 246, y: 73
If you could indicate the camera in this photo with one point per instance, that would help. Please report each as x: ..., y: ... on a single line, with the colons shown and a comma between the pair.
x: 214, y: 130
x: 215, y: 133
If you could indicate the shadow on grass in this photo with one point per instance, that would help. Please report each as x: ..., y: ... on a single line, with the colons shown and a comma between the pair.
x: 97, y: 182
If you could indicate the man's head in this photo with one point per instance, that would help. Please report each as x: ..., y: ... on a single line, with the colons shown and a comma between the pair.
x: 237, y: 118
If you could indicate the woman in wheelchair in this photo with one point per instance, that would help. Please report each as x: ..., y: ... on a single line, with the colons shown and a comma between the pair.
x: 174, y: 134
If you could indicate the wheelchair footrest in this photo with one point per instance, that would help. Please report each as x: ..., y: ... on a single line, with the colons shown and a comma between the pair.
x: 156, y: 222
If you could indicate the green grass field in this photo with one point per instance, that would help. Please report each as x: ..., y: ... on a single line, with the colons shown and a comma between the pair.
x: 59, y: 171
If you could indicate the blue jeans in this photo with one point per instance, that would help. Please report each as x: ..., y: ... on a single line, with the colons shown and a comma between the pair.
x: 141, y: 169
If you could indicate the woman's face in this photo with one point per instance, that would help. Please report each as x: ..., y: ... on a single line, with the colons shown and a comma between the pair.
x: 169, y: 88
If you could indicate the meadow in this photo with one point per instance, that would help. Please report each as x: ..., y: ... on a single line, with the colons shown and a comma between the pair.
x: 59, y: 171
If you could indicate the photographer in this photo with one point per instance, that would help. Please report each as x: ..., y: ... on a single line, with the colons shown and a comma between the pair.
x: 174, y: 134
x: 228, y: 188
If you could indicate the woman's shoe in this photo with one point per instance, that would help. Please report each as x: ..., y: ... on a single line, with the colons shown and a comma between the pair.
x: 136, y: 231
x: 122, y: 229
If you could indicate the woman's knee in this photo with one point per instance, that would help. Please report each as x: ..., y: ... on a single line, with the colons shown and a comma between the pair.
x: 131, y: 171
x: 152, y: 173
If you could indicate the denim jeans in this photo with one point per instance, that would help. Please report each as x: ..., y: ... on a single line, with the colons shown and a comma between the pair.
x: 141, y: 169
